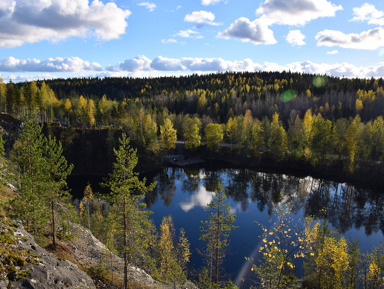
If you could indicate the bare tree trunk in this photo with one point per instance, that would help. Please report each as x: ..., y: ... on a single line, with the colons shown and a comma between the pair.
x: 125, y: 246
x: 53, y: 224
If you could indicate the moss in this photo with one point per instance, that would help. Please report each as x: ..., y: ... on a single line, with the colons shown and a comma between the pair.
x: 12, y: 258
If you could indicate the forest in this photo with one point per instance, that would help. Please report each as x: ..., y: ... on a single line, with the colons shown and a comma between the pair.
x: 316, y: 120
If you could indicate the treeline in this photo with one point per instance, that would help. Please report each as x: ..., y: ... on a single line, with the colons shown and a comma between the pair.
x: 282, y: 116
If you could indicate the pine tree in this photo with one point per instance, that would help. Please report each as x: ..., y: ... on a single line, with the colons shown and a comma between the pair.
x: 27, y: 154
x: 215, y: 231
x: 56, y: 172
x: 126, y: 194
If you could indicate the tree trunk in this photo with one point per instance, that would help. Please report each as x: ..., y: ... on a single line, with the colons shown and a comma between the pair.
x: 125, y: 245
x: 53, y: 224
x: 217, y: 247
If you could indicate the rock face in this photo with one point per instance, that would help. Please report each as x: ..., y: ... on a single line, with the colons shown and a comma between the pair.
x: 48, y: 272
x: 89, y: 251
x: 44, y: 270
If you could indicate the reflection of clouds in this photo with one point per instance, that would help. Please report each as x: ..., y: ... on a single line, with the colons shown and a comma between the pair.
x: 200, y: 198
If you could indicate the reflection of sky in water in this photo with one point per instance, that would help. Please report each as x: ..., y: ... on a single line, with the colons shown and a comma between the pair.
x: 201, y: 199
x: 252, y: 196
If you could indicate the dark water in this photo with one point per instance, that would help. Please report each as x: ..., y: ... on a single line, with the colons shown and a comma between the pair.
x: 184, y: 194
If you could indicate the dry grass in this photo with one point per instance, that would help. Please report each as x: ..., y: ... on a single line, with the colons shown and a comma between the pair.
x: 6, y: 194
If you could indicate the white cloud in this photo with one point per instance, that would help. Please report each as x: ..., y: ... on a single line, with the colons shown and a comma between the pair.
x: 141, y: 66
x: 217, y: 64
x: 32, y: 21
x: 150, y: 6
x: 138, y: 63
x: 367, y: 40
x: 69, y: 64
x: 210, y: 2
x: 245, y: 30
x: 369, y: 13
x: 168, y: 41
x: 201, y: 18
x: 188, y: 34
x: 295, y: 12
x: 166, y: 64
x: 332, y: 52
x: 295, y: 38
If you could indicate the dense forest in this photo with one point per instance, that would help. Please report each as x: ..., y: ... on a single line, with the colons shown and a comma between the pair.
x: 317, y: 120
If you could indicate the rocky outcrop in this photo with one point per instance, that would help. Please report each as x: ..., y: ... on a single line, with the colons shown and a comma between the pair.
x: 34, y: 267
x: 90, y: 253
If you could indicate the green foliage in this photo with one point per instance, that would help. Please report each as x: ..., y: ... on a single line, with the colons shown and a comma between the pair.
x: 168, y: 135
x: 127, y: 210
x: 192, y: 134
x: 214, y: 134
x: 27, y: 154
x: 215, y: 231
x: 173, y: 257
x: 41, y: 172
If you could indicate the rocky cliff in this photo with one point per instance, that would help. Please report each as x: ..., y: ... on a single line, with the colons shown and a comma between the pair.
x: 24, y: 264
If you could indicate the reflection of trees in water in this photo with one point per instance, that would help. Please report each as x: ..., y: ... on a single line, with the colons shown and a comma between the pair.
x: 166, y: 188
x: 191, y: 182
x: 237, y: 187
x: 345, y: 205
x: 212, y: 179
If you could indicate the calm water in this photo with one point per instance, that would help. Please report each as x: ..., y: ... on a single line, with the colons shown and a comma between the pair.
x: 252, y: 195
x: 184, y: 194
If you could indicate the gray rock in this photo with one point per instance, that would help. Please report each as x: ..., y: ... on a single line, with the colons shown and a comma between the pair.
x: 51, y: 272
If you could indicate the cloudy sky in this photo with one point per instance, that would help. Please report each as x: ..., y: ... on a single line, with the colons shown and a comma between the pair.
x: 41, y: 39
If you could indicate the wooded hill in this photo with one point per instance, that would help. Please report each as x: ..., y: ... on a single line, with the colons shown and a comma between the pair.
x: 317, y: 119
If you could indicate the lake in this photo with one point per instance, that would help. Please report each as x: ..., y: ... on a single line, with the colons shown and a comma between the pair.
x: 252, y: 195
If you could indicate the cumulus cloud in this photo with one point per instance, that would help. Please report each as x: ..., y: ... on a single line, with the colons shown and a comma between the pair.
x: 32, y: 21
x: 368, y: 13
x: 189, y: 33
x: 210, y: 2
x: 150, y: 6
x: 246, y: 30
x: 295, y: 38
x: 69, y: 64
x: 367, y: 40
x: 217, y: 64
x: 141, y: 66
x: 201, y: 18
x: 138, y: 63
x: 295, y: 12
x: 166, y: 64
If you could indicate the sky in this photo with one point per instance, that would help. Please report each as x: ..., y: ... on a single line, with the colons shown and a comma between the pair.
x: 45, y: 39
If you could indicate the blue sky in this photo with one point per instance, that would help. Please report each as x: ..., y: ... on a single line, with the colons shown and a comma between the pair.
x: 42, y: 39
